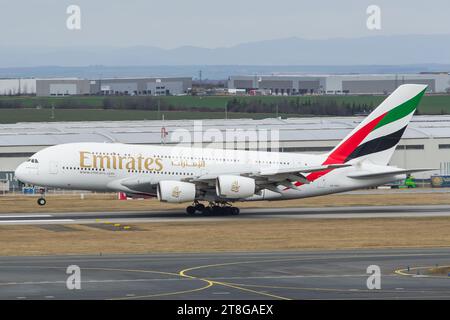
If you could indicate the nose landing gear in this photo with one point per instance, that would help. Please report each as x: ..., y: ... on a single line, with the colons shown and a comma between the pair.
x: 41, y: 201
x: 213, y: 208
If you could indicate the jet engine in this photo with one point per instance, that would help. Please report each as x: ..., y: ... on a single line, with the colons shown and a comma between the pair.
x: 234, y: 187
x: 175, y: 191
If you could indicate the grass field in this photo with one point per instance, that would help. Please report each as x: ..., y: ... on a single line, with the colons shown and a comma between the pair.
x: 436, y: 104
x: 233, y: 235
x: 248, y: 234
x: 108, y: 202
x: 31, y: 102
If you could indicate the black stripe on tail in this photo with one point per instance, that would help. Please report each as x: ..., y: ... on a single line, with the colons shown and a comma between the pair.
x: 377, y: 145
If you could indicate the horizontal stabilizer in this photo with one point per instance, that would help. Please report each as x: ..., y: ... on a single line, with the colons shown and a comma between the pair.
x: 374, y: 175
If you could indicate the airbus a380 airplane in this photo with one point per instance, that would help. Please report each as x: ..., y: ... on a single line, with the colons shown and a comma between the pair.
x: 221, y: 177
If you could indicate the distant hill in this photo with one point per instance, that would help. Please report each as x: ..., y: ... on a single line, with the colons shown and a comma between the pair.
x: 212, y: 72
x: 375, y: 50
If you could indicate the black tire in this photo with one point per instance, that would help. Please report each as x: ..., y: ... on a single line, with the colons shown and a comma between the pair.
x: 228, y: 210
x: 207, y: 211
x: 235, y: 211
x: 215, y: 210
x: 41, y: 201
x: 200, y: 207
x: 190, y: 210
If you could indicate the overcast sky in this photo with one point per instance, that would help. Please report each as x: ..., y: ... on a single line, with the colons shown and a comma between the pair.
x: 210, y: 23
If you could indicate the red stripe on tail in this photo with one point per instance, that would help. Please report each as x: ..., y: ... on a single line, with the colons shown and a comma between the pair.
x: 341, y: 153
x: 348, y: 146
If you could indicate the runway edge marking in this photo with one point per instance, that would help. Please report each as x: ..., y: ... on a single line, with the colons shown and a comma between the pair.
x: 402, y: 272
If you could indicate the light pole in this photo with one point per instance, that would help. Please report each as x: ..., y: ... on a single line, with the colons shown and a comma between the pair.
x: 159, y: 108
x: 53, y: 112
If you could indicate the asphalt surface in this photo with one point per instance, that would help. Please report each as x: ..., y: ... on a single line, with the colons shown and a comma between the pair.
x: 249, y: 275
x: 260, y: 213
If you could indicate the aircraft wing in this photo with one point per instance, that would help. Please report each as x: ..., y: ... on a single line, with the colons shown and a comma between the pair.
x: 272, y: 172
x: 145, y: 185
x: 265, y: 178
x: 270, y: 178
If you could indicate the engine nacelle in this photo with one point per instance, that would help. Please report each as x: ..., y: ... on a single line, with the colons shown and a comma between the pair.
x: 235, y: 187
x: 175, y: 191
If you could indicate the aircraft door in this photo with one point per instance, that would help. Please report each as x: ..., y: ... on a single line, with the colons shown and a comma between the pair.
x: 53, y: 167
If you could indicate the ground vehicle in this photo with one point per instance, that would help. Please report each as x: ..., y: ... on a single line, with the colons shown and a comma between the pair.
x: 406, y: 183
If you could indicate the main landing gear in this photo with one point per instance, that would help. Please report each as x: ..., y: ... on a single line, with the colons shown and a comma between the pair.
x: 41, y: 201
x: 213, y: 208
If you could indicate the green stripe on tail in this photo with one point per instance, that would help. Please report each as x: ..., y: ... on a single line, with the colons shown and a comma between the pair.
x: 401, y: 111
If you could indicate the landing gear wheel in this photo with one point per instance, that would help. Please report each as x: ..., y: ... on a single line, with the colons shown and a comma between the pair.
x: 207, y: 211
x: 200, y: 207
x: 235, y: 211
x: 215, y: 209
x: 41, y: 201
x: 190, y: 210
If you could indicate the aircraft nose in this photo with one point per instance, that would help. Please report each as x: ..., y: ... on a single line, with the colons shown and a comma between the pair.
x: 20, y: 172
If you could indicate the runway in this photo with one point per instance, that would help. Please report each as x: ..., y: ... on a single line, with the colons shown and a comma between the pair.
x: 256, y: 213
x: 247, y: 275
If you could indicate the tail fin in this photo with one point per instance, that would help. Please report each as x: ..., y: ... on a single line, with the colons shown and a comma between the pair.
x: 376, y: 137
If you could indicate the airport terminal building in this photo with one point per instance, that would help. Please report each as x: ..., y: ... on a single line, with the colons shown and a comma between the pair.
x: 338, y: 84
x: 425, y: 144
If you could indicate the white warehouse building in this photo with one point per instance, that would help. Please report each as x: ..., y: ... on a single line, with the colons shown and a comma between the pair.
x: 17, y: 86
x: 425, y: 144
x: 154, y: 86
x: 338, y: 84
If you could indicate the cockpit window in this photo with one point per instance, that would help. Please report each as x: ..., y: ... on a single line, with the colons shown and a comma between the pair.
x: 33, y: 160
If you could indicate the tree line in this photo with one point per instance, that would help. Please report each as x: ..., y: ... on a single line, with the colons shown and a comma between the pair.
x: 295, y: 106
x: 300, y: 106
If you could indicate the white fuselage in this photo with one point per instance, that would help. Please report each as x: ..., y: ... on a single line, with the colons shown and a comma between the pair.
x: 103, y: 166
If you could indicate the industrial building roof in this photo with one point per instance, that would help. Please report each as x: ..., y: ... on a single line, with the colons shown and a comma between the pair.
x: 149, y: 132
x: 351, y: 75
